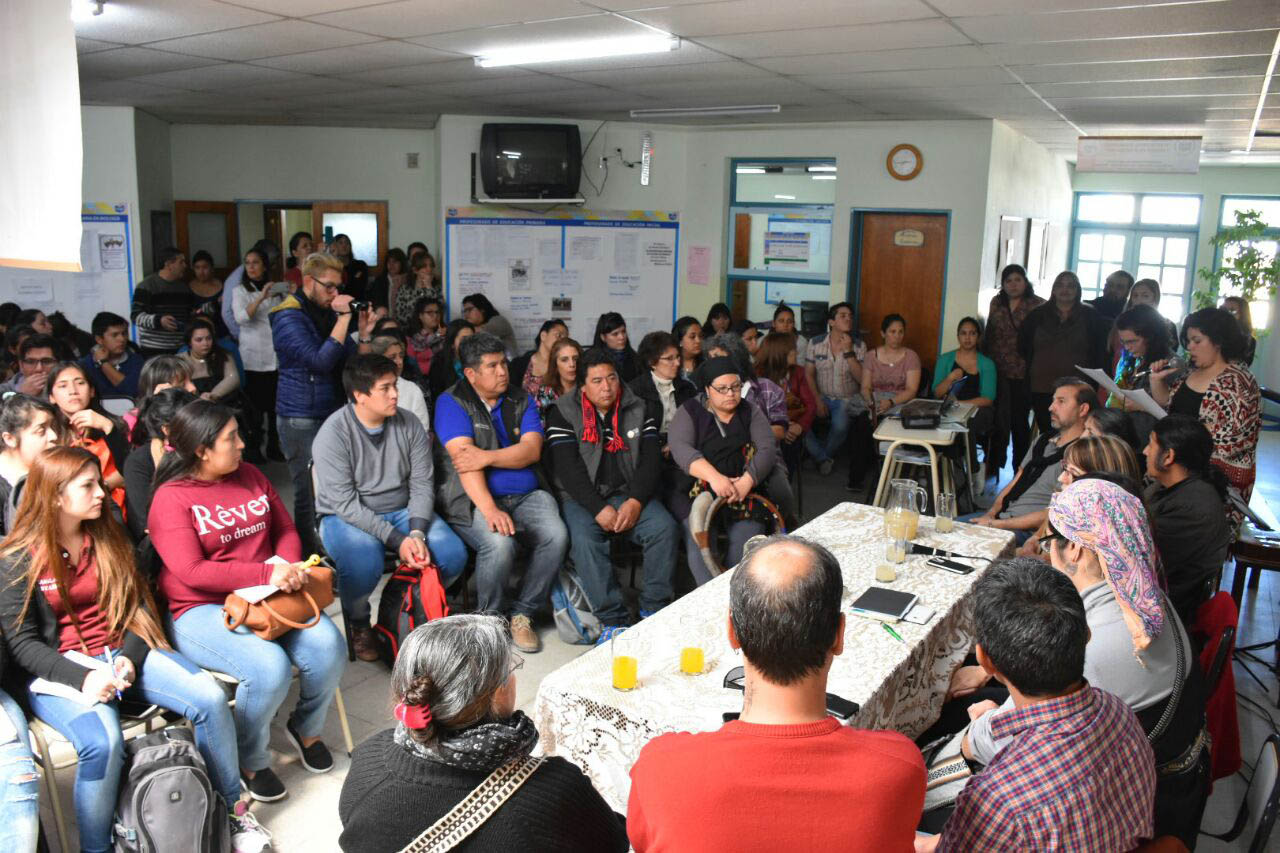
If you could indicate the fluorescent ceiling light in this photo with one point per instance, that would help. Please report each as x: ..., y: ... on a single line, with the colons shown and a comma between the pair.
x: 566, y: 50
x: 683, y: 112
x: 785, y: 197
x: 1262, y: 97
x: 84, y: 10
x: 823, y: 177
x: 750, y: 170
x: 821, y: 168
x: 514, y: 155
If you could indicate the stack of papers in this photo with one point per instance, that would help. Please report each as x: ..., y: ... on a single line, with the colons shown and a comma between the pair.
x: 57, y: 688
x: 1142, y: 398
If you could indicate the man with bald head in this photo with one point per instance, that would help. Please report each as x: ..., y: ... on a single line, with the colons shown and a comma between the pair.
x: 786, y: 773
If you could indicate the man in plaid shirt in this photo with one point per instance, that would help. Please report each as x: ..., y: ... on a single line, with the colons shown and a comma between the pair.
x: 1079, y: 774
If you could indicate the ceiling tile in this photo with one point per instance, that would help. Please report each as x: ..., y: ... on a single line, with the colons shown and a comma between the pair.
x: 908, y: 79
x: 929, y: 33
x: 133, y: 61
x: 1167, y: 69
x: 759, y: 16
x: 119, y: 91
x: 406, y: 18
x: 307, y: 85
x: 1153, y: 88
x: 697, y: 73
x: 84, y: 46
x: 264, y: 40
x: 1174, y: 19
x: 503, y: 86
x: 435, y: 72
x: 963, y: 8
x: 303, y: 8
x: 477, y: 42
x: 139, y: 21
x: 227, y: 75
x: 911, y: 59
x: 357, y: 57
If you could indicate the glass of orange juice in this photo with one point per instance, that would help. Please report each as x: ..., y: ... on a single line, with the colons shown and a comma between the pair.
x: 626, y: 665
x: 692, y: 659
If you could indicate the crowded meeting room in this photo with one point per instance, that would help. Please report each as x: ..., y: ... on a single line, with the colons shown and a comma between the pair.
x: 835, y: 425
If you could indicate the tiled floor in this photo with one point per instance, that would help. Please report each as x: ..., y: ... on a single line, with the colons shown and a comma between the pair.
x: 307, y: 820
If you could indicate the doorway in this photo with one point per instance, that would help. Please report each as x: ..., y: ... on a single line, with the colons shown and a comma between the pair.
x: 899, y: 266
x: 211, y: 226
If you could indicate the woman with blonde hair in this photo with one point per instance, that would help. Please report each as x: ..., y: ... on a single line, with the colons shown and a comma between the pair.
x: 1104, y: 454
x: 70, y: 584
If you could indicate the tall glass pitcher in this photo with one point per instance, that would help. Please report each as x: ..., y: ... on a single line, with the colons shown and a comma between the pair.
x: 907, y: 499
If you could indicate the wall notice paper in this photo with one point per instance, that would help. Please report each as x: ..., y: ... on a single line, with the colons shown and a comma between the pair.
x: 111, y: 251
x: 573, y: 265
x: 1142, y: 398
x: 698, y: 269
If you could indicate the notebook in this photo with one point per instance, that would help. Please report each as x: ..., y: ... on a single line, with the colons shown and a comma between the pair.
x: 66, y: 691
x: 886, y: 605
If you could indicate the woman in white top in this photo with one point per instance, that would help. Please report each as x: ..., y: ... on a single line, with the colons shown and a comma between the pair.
x: 251, y: 302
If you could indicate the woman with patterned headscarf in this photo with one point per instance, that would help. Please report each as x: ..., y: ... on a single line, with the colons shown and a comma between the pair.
x: 1100, y: 538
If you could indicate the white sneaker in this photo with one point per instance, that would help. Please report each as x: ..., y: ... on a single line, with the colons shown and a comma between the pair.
x: 247, y: 835
x: 825, y: 466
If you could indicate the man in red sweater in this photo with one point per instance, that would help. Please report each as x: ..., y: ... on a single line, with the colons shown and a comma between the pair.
x: 786, y: 775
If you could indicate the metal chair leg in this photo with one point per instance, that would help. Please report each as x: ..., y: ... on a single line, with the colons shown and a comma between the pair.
x: 51, y: 785
x: 342, y: 720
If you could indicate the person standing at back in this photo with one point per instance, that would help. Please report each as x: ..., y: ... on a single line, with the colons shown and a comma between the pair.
x: 1115, y: 294
x: 162, y: 304
x: 786, y: 774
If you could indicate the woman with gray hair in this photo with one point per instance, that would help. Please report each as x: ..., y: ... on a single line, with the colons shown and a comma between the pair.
x: 458, y: 730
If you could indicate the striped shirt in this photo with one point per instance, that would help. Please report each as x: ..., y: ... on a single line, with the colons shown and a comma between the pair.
x: 154, y: 298
x: 1079, y: 775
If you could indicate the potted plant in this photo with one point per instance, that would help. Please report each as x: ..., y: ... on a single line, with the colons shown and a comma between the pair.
x: 1245, y: 269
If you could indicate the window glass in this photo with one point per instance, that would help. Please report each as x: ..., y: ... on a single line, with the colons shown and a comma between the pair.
x: 362, y: 228
x: 1268, y: 207
x: 1113, y: 248
x: 1108, y: 207
x: 1170, y: 210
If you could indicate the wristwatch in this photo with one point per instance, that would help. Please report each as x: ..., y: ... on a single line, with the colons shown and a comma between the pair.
x: 419, y: 535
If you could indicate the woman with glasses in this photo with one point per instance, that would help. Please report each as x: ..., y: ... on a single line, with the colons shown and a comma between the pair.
x: 454, y: 687
x: 479, y: 312
x: 724, y: 444
x: 426, y: 332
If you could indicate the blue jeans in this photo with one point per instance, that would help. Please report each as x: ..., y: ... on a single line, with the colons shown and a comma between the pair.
x: 655, y: 531
x: 842, y: 413
x: 296, y: 437
x: 359, y: 557
x: 538, y: 526
x: 263, y: 668
x: 168, y: 680
x: 19, y: 785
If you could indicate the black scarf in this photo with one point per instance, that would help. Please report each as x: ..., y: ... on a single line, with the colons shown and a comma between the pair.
x: 482, y: 747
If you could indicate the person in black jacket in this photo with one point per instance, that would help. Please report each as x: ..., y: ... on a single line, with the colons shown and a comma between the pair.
x: 140, y: 468
x: 611, y: 336
x: 68, y: 584
x: 1058, y: 336
x: 1185, y: 502
x: 454, y: 686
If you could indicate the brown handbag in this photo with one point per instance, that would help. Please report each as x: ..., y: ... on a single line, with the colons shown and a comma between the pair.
x: 282, y: 612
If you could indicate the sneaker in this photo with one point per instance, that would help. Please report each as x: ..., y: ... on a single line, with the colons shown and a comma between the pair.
x: 608, y: 632
x: 523, y: 636
x: 247, y: 835
x: 364, y: 643
x: 315, y: 758
x: 265, y: 786
x: 825, y: 466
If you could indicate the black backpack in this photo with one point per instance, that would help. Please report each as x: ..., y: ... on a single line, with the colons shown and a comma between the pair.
x: 166, y: 802
x: 412, y: 597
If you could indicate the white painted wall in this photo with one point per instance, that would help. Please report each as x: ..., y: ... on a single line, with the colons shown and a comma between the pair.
x: 155, y: 178
x: 111, y: 165
x: 261, y: 163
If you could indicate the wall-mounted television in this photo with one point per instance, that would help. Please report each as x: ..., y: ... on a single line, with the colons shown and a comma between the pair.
x: 530, y: 160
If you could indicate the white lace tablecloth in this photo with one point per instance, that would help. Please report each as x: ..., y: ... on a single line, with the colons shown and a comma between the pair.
x: 899, y: 686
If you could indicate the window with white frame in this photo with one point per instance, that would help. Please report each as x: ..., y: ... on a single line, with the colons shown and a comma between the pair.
x: 1152, y: 235
x: 1269, y: 207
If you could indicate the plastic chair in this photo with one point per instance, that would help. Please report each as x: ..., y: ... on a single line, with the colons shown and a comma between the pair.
x: 1257, y: 815
x: 118, y: 406
x: 1221, y: 654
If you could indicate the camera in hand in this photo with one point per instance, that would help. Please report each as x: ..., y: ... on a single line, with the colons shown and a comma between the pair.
x: 357, y: 307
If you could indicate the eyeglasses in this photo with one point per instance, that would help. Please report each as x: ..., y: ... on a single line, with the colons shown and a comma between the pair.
x: 39, y: 362
x: 329, y: 285
x: 517, y: 662
x: 672, y: 357
x: 1046, y: 541
x: 726, y: 390
x: 734, y: 678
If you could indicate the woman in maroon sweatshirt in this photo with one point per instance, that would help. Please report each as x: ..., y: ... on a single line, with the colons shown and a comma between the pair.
x: 215, y: 522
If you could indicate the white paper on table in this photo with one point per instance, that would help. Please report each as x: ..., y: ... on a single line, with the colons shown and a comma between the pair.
x: 254, y: 594
x: 1142, y: 398
x: 66, y: 691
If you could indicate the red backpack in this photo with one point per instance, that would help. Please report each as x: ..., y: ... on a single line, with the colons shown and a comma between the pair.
x: 412, y: 597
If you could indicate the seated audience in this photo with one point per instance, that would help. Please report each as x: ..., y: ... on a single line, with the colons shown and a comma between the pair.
x: 750, y: 335
x: 662, y: 383
x: 113, y: 368
x: 492, y: 492
x: 607, y: 464
x: 1021, y: 506
x: 1104, y: 421
x: 20, y: 786
x: 394, y: 275
x: 1185, y: 491
x: 36, y: 319
x: 723, y: 443
x: 718, y: 320
x: 446, y: 368
x: 159, y: 373
x: 833, y: 368
x: 1057, y: 336
x: 890, y: 373
x: 611, y: 337
x: 968, y: 375
x: 426, y: 332
x: 36, y: 355
x: 154, y: 417
x: 784, y: 323
x: 162, y: 305
x: 355, y: 272
x: 1219, y: 392
x: 420, y: 284
x: 252, y: 303
x: 688, y: 336
x: 764, y: 394
x: 310, y: 331
x: 1238, y: 308
x: 13, y: 338
x: 215, y: 523
x: 533, y: 368
x: 480, y: 313
x: 785, y: 755
x: 28, y: 427
x: 89, y: 597
x: 1077, y: 772
x: 454, y: 684
x: 75, y: 341
x: 563, y: 378
x: 775, y: 360
x: 212, y: 369
x: 83, y: 423
x: 1115, y: 294
x: 411, y: 397
x: 375, y: 487
x: 206, y: 293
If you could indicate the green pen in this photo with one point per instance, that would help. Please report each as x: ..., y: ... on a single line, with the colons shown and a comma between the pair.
x: 892, y: 633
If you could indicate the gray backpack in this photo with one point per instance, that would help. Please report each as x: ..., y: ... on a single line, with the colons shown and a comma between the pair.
x: 575, y: 623
x: 166, y: 801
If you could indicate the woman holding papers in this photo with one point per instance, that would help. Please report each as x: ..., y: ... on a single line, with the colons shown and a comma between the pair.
x: 1143, y: 336
x: 217, y: 523
x: 79, y: 618
x: 1218, y: 391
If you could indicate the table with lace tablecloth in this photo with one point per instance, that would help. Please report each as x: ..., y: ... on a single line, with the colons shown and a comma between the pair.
x: 899, y: 686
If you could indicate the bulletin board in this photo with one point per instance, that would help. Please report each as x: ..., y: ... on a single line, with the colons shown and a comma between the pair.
x: 572, y: 265
x: 105, y: 282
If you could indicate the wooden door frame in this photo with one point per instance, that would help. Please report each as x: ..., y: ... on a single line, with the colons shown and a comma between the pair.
x: 380, y: 208
x: 181, y: 209
x: 854, y: 290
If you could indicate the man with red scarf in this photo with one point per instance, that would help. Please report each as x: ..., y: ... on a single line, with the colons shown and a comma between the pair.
x: 607, y: 463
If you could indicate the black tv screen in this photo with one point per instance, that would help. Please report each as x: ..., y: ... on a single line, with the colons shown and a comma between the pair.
x: 530, y: 160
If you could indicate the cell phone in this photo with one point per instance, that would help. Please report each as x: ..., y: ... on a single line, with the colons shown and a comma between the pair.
x: 949, y: 566
x: 841, y: 707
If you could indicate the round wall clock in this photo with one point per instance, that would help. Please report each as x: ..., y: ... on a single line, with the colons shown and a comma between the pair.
x: 904, y: 162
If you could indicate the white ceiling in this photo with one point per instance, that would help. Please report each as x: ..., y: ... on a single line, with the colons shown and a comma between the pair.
x: 1053, y: 69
